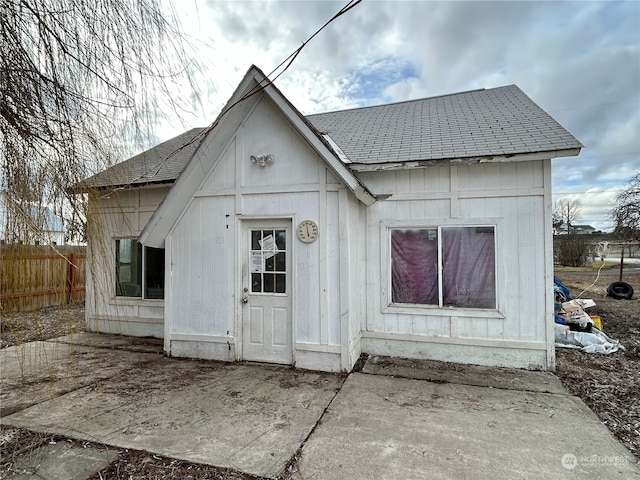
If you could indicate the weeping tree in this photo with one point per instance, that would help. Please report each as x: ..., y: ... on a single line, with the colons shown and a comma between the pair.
x: 80, y: 80
x: 626, y: 211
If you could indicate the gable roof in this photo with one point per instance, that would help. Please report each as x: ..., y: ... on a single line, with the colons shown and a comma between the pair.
x: 160, y: 164
x: 499, y: 124
x: 583, y: 227
x: 500, y: 121
x: 495, y: 124
x: 254, y: 85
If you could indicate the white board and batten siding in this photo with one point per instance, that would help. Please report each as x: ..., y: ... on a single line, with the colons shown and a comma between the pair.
x: 119, y: 215
x: 239, y: 284
x: 207, y: 247
x: 513, y: 197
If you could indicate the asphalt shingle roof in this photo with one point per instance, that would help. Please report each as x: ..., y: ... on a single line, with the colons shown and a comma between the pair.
x: 478, y: 123
x: 497, y: 121
x: 160, y: 164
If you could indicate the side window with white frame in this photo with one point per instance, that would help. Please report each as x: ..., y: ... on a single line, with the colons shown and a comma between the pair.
x: 444, y: 266
x: 139, y: 271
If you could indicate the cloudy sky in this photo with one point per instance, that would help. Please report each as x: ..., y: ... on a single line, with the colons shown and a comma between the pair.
x: 580, y: 61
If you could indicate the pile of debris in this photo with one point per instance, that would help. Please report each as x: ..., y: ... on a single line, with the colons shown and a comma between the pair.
x: 575, y: 328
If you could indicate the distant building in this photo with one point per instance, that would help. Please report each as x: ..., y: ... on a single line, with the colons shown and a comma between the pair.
x: 573, y: 229
x: 29, y: 224
x: 587, y: 229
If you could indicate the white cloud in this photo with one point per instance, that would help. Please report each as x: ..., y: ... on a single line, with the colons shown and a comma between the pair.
x: 577, y: 60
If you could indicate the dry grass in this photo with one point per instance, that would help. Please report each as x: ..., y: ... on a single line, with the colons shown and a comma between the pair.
x: 51, y: 322
x: 608, y: 384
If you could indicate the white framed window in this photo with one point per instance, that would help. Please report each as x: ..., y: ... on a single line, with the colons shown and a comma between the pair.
x: 442, y: 266
x: 139, y: 271
x: 268, y: 261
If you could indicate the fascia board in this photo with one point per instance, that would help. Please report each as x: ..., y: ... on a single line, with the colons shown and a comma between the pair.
x: 387, y: 166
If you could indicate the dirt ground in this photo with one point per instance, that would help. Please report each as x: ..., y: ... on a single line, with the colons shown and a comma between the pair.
x: 608, y: 384
x: 51, y: 322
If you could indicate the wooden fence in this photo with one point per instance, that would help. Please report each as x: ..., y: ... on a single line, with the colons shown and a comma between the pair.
x: 37, y: 276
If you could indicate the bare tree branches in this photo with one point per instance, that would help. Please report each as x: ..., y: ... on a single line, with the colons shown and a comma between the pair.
x: 565, y: 212
x: 626, y: 212
x: 77, y: 77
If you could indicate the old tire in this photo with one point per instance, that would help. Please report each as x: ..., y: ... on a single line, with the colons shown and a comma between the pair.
x: 620, y: 291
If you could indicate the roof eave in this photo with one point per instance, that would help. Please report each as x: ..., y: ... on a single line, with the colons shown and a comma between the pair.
x: 518, y: 157
x: 80, y: 189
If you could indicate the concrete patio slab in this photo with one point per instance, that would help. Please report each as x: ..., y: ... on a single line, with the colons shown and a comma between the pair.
x: 38, y: 371
x: 61, y: 461
x: 391, y: 423
x: 443, y: 372
x: 388, y: 428
x: 250, y: 418
x: 116, y: 342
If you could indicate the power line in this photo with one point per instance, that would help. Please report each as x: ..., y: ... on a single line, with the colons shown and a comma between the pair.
x: 285, y: 64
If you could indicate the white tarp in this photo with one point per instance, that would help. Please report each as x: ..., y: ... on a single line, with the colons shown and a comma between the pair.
x: 595, y: 341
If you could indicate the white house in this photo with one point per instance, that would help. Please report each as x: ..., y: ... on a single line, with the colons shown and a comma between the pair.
x: 29, y: 223
x: 563, y: 229
x: 418, y: 229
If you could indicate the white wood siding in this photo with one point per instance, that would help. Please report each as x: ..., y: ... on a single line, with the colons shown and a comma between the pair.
x: 201, y: 267
x: 510, y: 194
x: 353, y: 273
x: 340, y: 283
x: 120, y: 214
x: 205, y: 307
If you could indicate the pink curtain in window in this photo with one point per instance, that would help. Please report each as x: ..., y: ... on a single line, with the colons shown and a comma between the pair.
x: 414, y: 266
x: 468, y: 257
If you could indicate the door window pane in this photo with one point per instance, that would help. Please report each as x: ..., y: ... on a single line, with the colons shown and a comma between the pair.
x: 256, y: 282
x: 256, y: 236
x: 268, y: 261
x: 269, y: 283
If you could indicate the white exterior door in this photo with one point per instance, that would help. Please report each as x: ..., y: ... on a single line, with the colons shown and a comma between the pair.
x: 266, y: 292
